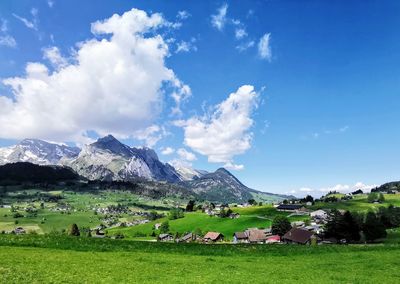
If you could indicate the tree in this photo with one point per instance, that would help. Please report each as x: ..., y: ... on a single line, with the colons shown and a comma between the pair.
x: 190, y: 206
x: 74, y: 230
x: 373, y: 227
x: 252, y: 201
x: 381, y: 198
x: 280, y: 225
x: 175, y: 213
x: 372, y: 197
x: 164, y: 228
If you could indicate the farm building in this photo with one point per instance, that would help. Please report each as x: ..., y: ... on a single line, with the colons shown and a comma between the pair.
x: 240, y: 237
x: 298, y: 236
x: 290, y: 207
x: 165, y: 238
x: 190, y: 237
x: 320, y: 214
x: 213, y: 237
x: 273, y: 239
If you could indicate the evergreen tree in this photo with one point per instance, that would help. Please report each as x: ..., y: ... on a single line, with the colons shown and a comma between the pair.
x: 280, y: 225
x: 373, y: 227
x: 164, y: 228
x: 74, y: 230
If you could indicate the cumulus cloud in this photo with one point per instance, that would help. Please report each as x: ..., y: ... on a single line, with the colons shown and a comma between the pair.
x: 54, y: 56
x: 151, y: 135
x: 114, y: 84
x: 224, y: 133
x: 264, y: 48
x: 305, y: 189
x: 30, y: 24
x: 218, y: 20
x: 50, y: 3
x: 186, y: 155
x: 167, y: 151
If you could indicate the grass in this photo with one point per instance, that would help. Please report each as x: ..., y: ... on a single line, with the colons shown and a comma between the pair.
x: 28, y: 259
x: 358, y: 203
x: 251, y: 217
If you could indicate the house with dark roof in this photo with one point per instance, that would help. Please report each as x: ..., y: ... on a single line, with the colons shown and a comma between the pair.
x: 190, y: 237
x: 240, y: 237
x: 165, y: 238
x: 298, y: 236
x: 213, y: 237
x: 291, y: 207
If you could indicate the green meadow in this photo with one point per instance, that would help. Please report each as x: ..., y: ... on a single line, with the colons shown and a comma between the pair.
x: 44, y: 259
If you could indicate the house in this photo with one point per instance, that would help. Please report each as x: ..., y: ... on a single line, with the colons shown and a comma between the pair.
x: 290, y: 207
x: 273, y: 239
x: 240, y: 237
x: 213, y: 237
x: 99, y: 234
x: 190, y: 237
x: 234, y: 215
x: 298, y: 224
x: 256, y: 236
x: 319, y: 214
x: 19, y: 231
x: 314, y: 228
x: 298, y: 236
x: 157, y: 226
x: 165, y: 238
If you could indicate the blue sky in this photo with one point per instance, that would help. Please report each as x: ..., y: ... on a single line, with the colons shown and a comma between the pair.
x: 318, y: 110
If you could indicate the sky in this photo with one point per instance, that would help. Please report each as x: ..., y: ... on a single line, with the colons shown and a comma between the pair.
x: 295, y: 97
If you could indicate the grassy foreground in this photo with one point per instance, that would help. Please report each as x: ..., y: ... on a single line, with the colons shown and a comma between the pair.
x: 42, y: 259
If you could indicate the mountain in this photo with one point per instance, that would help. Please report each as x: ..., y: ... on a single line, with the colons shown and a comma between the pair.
x: 222, y: 186
x: 37, y: 152
x: 109, y: 159
x: 23, y: 172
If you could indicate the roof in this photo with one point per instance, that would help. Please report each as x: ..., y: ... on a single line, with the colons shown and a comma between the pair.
x: 256, y: 235
x: 240, y: 235
x: 289, y: 206
x: 298, y: 235
x: 162, y: 236
x: 187, y: 237
x: 212, y: 235
x: 274, y: 238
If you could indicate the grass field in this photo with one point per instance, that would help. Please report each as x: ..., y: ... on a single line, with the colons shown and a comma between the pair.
x: 358, y: 203
x: 39, y: 259
x: 250, y: 217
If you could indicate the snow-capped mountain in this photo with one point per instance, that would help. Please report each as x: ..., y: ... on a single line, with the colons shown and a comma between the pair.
x: 109, y: 159
x: 37, y: 152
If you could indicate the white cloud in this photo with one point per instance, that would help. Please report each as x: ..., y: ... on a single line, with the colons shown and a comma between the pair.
x: 235, y: 167
x: 245, y: 46
x: 186, y: 46
x: 344, y: 128
x: 218, y: 20
x: 306, y: 189
x: 31, y: 24
x: 182, y: 15
x: 50, y: 3
x: 114, y: 84
x: 54, y: 56
x: 186, y: 155
x: 264, y: 48
x: 167, y: 151
x: 151, y: 135
x: 226, y: 132
x: 240, y: 33
x: 8, y: 41
x: 338, y: 187
x: 364, y: 187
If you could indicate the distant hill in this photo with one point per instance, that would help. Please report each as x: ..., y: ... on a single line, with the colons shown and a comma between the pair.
x: 390, y: 186
x: 222, y: 186
x: 24, y: 172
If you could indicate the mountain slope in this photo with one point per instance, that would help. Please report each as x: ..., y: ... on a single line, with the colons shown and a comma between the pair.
x: 222, y: 186
x: 37, y: 152
x: 109, y: 159
x: 22, y: 172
